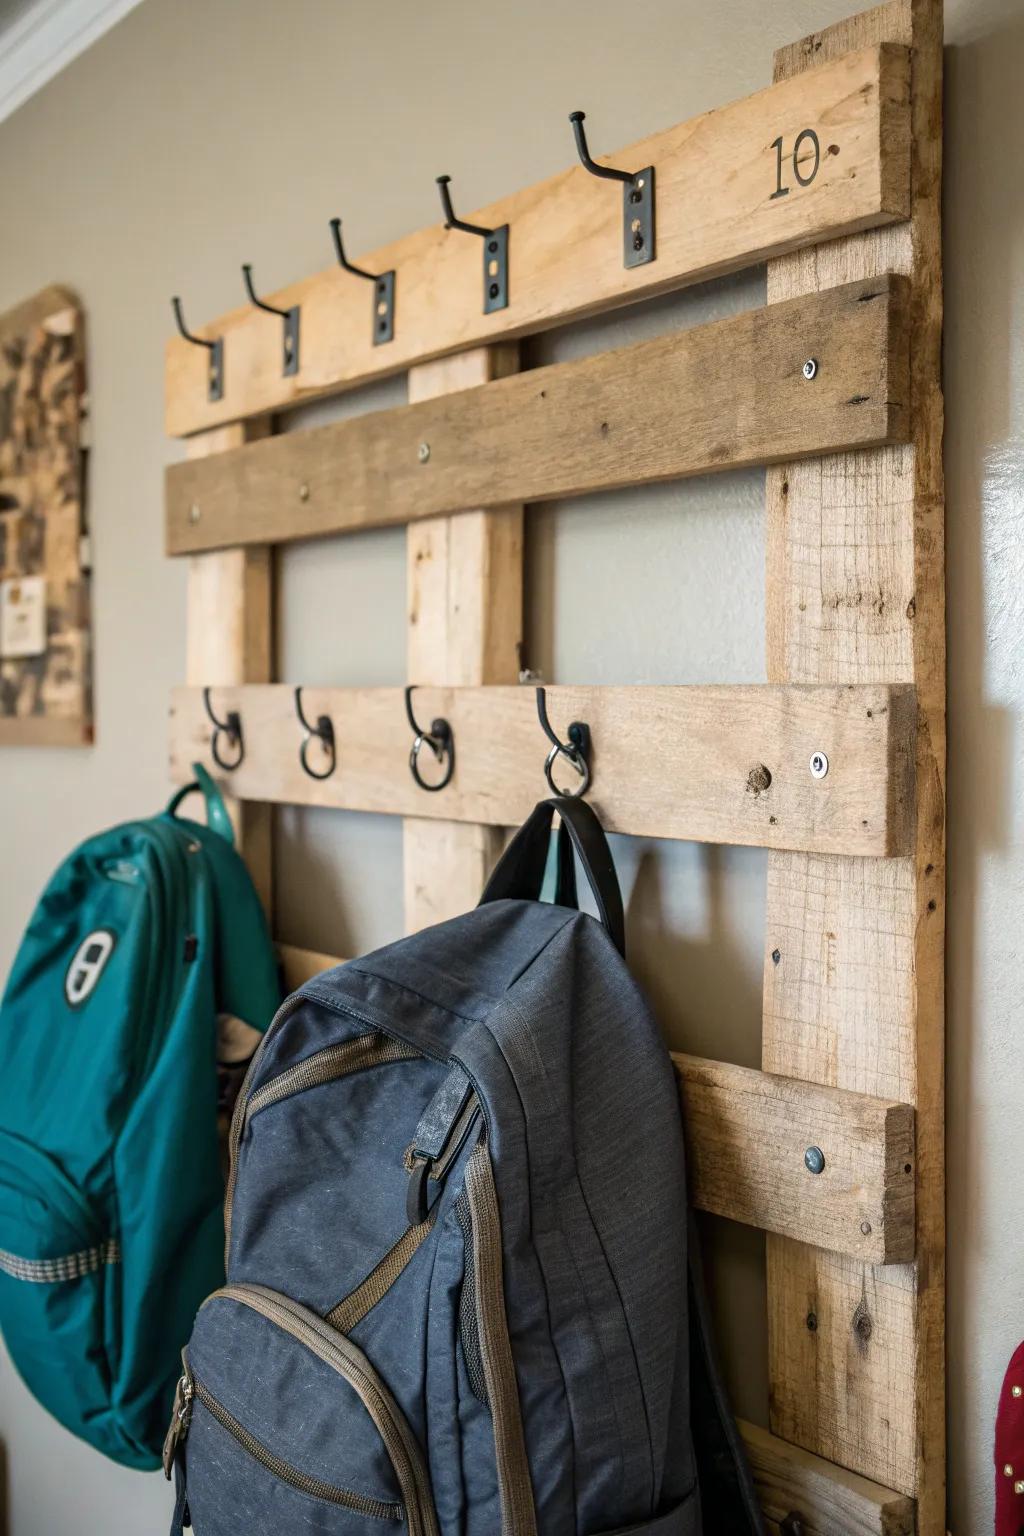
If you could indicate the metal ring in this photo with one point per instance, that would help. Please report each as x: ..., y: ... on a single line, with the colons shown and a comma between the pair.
x: 231, y: 727
x: 580, y: 764
x: 441, y: 745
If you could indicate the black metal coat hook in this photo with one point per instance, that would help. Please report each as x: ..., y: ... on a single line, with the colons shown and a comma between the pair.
x: 290, y: 342
x: 495, y: 250
x: 637, y: 199
x: 215, y: 381
x: 231, y: 727
x: 323, y: 732
x: 575, y: 751
x: 383, y: 293
x: 440, y: 741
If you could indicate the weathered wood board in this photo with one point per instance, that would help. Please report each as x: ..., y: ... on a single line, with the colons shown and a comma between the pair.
x: 793, y: 165
x: 712, y: 398
x: 801, y: 1495
x: 728, y: 765
x: 45, y: 673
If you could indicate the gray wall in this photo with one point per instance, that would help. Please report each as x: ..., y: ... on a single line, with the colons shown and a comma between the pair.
x: 197, y: 135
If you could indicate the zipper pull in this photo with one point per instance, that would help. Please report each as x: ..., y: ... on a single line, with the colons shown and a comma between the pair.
x: 181, y: 1416
x: 439, y: 1135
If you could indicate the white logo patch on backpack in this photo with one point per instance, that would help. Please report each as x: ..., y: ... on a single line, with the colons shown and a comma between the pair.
x: 87, y: 966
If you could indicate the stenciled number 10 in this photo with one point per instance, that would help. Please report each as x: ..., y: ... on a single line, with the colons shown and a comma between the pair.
x: 805, y: 159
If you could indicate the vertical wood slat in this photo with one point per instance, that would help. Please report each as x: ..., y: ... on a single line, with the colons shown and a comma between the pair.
x: 465, y: 614
x: 855, y: 594
x: 229, y: 639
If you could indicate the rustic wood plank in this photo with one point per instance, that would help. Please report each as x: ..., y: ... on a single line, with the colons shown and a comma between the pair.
x: 229, y: 640
x: 465, y: 623
x: 711, y: 398
x: 747, y: 1136
x: 818, y: 1498
x: 855, y: 594
x: 717, y: 764
x: 301, y: 965
x: 716, y: 211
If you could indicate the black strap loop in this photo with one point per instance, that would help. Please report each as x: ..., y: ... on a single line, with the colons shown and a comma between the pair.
x: 519, y: 872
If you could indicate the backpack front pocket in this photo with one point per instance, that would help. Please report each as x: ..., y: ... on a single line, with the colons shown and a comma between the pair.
x: 59, y: 1280
x: 282, y: 1423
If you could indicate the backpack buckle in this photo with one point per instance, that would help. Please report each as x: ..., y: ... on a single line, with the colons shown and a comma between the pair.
x: 416, y: 1203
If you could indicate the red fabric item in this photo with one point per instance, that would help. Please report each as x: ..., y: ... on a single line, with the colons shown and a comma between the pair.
x: 1010, y: 1451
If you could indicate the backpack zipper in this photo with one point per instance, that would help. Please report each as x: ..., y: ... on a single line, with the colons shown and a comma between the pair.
x: 515, y: 1489
x: 350, y: 1363
x: 314, y: 1487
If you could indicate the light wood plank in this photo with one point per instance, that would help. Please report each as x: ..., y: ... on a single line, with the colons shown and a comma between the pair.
x: 464, y: 580
x: 229, y: 640
x: 716, y: 212
x: 667, y: 762
x: 855, y: 594
x: 301, y: 965
x: 748, y: 1133
x: 823, y: 1499
x: 711, y: 398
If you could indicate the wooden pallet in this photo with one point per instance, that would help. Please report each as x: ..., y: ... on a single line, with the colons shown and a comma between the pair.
x: 832, y: 176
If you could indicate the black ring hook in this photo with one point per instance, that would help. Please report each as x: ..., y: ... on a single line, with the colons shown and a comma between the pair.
x: 576, y: 751
x: 607, y: 172
x: 231, y: 727
x: 323, y: 732
x: 440, y: 741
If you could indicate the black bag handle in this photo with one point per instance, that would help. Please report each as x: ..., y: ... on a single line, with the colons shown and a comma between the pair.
x: 519, y: 873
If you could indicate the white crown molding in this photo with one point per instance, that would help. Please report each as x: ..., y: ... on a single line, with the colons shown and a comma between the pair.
x: 49, y: 36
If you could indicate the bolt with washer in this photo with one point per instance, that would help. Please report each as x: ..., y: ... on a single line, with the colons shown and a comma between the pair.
x: 423, y: 452
x: 811, y: 368
x: 819, y: 765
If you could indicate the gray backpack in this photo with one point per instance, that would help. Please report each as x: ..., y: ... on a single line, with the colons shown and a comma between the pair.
x: 458, y: 1299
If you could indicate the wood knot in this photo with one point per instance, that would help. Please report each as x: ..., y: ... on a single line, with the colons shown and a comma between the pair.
x: 863, y: 1327
x: 758, y: 779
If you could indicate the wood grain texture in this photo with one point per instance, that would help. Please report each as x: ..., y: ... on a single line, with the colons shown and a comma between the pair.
x: 710, y: 398
x: 667, y: 762
x: 715, y: 213
x: 823, y: 1499
x: 747, y: 1135
x: 46, y: 699
x: 229, y: 640
x: 855, y: 594
x: 464, y: 590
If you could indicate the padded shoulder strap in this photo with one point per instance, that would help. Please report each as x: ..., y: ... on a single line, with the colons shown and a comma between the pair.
x: 217, y: 818
x: 519, y: 872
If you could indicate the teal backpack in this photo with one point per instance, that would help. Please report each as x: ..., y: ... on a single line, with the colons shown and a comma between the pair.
x: 147, y: 942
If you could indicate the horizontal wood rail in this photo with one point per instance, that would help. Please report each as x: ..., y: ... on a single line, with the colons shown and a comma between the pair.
x: 750, y: 1136
x: 817, y: 1497
x: 733, y: 188
x: 711, y: 764
x: 712, y: 398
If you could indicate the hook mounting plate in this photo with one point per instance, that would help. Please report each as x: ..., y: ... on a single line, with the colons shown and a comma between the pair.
x: 215, y: 376
x: 290, y: 342
x: 496, y: 270
x: 384, y: 308
x: 638, y: 219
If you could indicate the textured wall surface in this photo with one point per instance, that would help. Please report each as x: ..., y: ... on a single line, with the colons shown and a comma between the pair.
x: 202, y: 133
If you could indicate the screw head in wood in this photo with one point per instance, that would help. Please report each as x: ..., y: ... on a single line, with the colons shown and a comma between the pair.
x: 194, y: 513
x: 811, y: 368
x: 303, y: 491
x: 865, y: 1227
x: 818, y: 765
x: 814, y: 1160
x: 423, y: 452
x: 776, y: 956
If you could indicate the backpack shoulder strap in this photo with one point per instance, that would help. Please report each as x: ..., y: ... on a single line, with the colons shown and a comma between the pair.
x: 217, y: 818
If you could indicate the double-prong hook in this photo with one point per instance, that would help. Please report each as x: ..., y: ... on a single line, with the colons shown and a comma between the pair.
x: 231, y: 727
x: 323, y: 732
x: 215, y: 378
x: 637, y: 199
x: 575, y: 751
x: 495, y: 250
x: 290, y: 340
x: 383, y: 294
x: 440, y: 741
